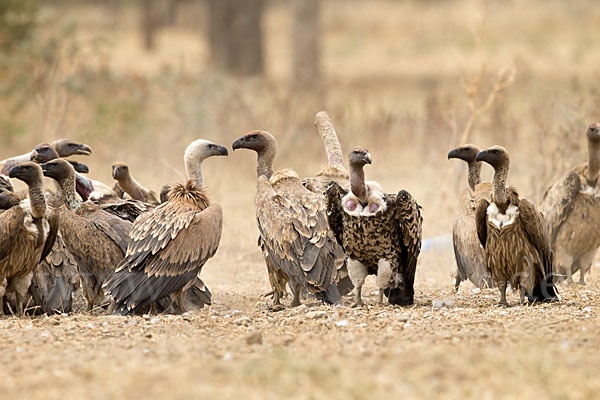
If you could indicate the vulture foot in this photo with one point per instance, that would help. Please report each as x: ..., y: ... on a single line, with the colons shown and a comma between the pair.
x: 503, y: 304
x: 357, y: 303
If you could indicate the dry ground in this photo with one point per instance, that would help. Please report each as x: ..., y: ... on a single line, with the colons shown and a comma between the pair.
x: 392, y: 83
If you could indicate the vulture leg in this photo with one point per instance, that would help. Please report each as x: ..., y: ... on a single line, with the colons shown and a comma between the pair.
x: 20, y: 286
x: 502, y: 287
x: 456, y: 283
x: 2, y: 293
x: 380, y: 297
x: 585, y: 262
x: 358, y: 273
x: 522, y: 295
x: 296, y: 300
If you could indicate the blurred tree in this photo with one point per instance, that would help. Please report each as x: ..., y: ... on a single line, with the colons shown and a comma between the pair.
x: 149, y: 23
x: 17, y: 22
x: 306, y: 35
x: 235, y: 35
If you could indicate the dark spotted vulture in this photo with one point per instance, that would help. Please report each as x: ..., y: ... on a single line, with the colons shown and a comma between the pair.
x: 516, y: 242
x: 380, y: 233
x: 469, y: 254
x: 170, y: 244
x: 571, y: 208
x: 298, y: 246
x: 126, y: 183
x: 27, y: 233
x: 96, y: 239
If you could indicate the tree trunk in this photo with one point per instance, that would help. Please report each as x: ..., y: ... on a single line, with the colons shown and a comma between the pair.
x: 306, y: 35
x: 148, y: 24
x: 235, y: 35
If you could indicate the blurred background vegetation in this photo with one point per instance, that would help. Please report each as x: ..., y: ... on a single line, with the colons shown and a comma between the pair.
x: 139, y: 79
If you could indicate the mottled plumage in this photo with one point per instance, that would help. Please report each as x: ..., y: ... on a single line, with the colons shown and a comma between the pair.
x: 516, y: 242
x: 571, y: 208
x: 380, y: 233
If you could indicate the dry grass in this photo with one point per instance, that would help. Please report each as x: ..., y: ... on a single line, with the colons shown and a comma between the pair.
x: 393, y: 73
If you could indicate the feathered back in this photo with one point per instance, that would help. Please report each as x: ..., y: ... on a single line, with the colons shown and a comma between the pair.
x: 189, y: 193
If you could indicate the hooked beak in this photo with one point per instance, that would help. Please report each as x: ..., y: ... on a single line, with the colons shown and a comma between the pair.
x: 238, y: 144
x: 14, y: 171
x: 367, y: 158
x: 453, y: 154
x: 45, y: 168
x: 115, y: 170
x: 481, y: 155
x: 34, y: 155
x: 222, y: 150
x: 84, y: 150
x: 79, y: 167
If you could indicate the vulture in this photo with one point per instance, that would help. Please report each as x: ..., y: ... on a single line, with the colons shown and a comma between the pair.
x: 469, y: 254
x: 380, y: 233
x: 27, y: 233
x: 169, y: 245
x: 96, y: 239
x: 571, y: 208
x: 45, y: 152
x: 126, y: 183
x: 514, y: 236
x: 298, y: 246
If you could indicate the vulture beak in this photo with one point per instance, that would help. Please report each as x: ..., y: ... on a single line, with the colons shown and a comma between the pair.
x: 79, y: 167
x: 14, y: 171
x: 84, y: 150
x: 34, y: 155
x: 453, y: 154
x: 367, y: 157
x: 238, y: 144
x: 223, y: 150
x: 115, y: 170
x: 481, y: 156
x: 45, y: 168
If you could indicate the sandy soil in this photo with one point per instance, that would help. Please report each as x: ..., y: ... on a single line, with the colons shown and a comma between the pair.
x: 468, y: 347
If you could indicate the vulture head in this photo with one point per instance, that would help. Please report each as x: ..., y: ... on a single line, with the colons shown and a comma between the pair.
x: 496, y: 156
x: 43, y: 153
x: 120, y: 170
x: 259, y: 141
x: 66, y: 148
x: 198, y: 151
x: 467, y: 153
x: 359, y: 157
x: 59, y: 170
x: 28, y: 172
x: 593, y: 132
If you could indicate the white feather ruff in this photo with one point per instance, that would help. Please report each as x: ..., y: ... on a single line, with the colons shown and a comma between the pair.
x: 376, y: 196
x: 501, y: 220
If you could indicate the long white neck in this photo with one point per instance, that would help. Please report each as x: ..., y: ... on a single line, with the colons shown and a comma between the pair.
x: 194, y: 172
x: 14, y: 161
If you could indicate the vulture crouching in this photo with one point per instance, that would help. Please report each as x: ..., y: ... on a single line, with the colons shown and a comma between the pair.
x: 516, y: 242
x: 469, y: 254
x: 380, y: 233
x: 96, y: 239
x: 169, y: 245
x: 571, y: 208
x: 298, y: 246
x: 27, y: 233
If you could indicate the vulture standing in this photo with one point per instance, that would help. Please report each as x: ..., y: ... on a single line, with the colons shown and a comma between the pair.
x: 380, y: 233
x: 96, y: 239
x: 126, y: 183
x: 513, y: 233
x: 169, y: 245
x: 27, y: 233
x: 298, y: 246
x: 469, y: 254
x: 571, y: 208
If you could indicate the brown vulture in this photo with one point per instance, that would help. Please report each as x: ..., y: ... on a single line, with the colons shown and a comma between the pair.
x: 571, y: 208
x: 169, y: 245
x: 127, y: 184
x: 96, y: 239
x: 380, y: 233
x: 298, y: 246
x: 27, y: 233
x: 514, y: 235
x: 469, y: 254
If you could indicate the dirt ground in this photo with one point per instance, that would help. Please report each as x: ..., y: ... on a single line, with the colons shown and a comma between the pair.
x: 238, y: 348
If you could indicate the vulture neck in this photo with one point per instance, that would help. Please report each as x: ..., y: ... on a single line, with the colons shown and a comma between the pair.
x: 332, y: 146
x: 499, y: 183
x: 133, y: 188
x: 264, y: 163
x: 593, y: 161
x: 67, y: 187
x: 194, y: 173
x: 474, y: 174
x: 357, y: 182
x: 14, y: 161
x: 37, y: 200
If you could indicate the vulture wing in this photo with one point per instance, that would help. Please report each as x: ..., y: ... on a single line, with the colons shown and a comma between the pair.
x: 294, y: 230
x: 5, y: 185
x: 334, y: 196
x: 11, y: 222
x: 168, y: 247
x: 481, y: 220
x: 409, y: 224
x: 558, y: 201
x: 114, y: 227
x: 53, y: 218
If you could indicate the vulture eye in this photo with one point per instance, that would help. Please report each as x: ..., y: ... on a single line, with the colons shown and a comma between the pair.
x: 211, y: 146
x: 364, y: 153
x: 253, y: 137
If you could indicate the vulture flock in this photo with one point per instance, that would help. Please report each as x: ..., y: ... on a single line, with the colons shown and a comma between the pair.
x: 131, y: 251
